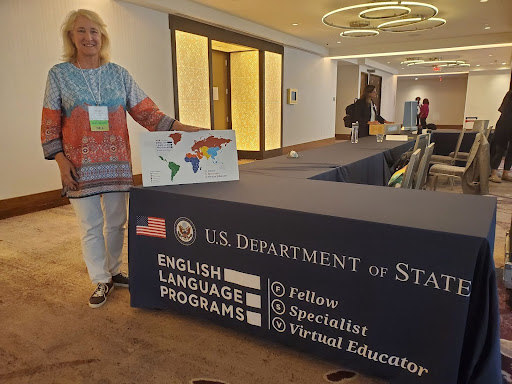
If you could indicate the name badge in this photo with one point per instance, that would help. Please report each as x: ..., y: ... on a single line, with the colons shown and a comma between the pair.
x: 98, y: 118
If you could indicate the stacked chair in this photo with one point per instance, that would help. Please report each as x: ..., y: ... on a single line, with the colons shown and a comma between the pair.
x: 474, y: 175
x: 482, y: 126
x: 420, y: 181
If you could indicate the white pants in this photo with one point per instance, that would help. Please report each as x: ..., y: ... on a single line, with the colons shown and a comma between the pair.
x: 97, y: 215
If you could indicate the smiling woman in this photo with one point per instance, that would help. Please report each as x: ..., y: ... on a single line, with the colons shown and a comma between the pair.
x: 84, y: 129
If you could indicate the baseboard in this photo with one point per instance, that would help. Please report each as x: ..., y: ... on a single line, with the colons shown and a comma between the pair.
x: 51, y: 199
x: 39, y: 202
x: 31, y: 203
x: 343, y: 136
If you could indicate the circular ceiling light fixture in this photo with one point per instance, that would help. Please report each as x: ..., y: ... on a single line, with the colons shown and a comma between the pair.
x: 388, y: 12
x: 399, y: 23
x: 414, y: 25
x: 331, y: 18
x: 436, y: 63
x: 359, y: 33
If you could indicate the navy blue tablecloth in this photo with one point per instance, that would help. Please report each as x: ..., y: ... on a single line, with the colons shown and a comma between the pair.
x: 374, y: 279
x: 366, y: 162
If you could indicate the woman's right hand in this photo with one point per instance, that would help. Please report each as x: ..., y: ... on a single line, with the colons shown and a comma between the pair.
x: 68, y: 173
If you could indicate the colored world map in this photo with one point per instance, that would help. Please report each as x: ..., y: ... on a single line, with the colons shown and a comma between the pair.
x: 206, y: 149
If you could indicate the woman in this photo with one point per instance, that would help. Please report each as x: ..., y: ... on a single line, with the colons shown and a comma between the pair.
x: 84, y: 129
x: 366, y: 111
x: 502, y: 140
x: 424, y: 109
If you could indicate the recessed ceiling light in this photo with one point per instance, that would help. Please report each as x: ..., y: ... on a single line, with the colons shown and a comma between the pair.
x: 503, y: 63
x: 338, y: 42
x: 483, y: 1
x: 295, y: 24
x: 490, y: 55
x: 389, y: 62
x: 487, y: 27
x: 478, y: 65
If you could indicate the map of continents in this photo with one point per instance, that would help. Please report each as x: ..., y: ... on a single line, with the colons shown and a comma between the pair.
x: 207, y: 148
x: 176, y: 138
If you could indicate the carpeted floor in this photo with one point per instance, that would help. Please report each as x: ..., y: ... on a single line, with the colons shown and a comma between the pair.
x: 49, y: 335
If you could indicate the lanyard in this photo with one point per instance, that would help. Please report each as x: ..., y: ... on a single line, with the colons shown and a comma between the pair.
x: 90, y: 90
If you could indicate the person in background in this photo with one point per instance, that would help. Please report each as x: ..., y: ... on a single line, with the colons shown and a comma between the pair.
x: 424, y: 109
x: 502, y: 141
x: 84, y: 129
x: 366, y: 111
x: 418, y: 101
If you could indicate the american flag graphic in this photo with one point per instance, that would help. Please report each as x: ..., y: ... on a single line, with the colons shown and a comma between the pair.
x: 150, y: 226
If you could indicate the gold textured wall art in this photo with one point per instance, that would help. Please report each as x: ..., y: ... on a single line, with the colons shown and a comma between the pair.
x: 273, y: 100
x: 245, y: 99
x: 193, y: 79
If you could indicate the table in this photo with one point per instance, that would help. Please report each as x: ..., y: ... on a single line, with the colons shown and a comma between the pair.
x: 347, y: 272
x: 366, y: 162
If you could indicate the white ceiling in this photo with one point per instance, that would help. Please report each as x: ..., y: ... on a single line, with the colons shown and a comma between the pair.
x: 466, y: 20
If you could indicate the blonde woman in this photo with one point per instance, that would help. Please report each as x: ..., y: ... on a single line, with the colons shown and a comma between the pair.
x: 84, y: 129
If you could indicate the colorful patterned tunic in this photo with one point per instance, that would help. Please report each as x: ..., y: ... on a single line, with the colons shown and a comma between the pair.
x: 102, y: 159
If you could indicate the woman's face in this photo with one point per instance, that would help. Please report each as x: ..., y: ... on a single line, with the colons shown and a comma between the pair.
x: 373, y: 94
x: 86, y: 36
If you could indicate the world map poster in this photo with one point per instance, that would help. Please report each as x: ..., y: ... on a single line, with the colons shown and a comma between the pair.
x: 175, y: 157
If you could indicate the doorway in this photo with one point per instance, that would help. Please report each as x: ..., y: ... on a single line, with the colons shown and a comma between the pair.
x: 221, y: 90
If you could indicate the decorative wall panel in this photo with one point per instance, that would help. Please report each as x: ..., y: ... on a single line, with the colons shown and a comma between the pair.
x: 193, y: 79
x: 245, y: 100
x: 273, y: 99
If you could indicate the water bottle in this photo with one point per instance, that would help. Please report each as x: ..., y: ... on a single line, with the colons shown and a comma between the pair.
x: 354, y: 137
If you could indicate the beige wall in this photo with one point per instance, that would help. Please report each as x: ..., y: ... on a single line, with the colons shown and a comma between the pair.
x: 313, y: 117
x: 346, y: 91
x: 447, y: 98
x: 485, y: 94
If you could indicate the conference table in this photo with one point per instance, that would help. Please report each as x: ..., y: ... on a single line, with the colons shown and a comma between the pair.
x: 395, y: 284
x: 366, y: 162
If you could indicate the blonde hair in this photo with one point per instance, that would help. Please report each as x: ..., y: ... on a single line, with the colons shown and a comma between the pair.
x: 70, y: 51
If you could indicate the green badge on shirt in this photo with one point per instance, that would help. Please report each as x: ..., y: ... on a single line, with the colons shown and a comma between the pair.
x: 98, y: 118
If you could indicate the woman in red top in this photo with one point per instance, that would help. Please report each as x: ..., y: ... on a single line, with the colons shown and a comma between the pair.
x: 424, y: 114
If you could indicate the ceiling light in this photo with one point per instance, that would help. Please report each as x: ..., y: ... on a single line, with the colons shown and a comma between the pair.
x: 426, y: 24
x: 422, y: 51
x: 477, y: 65
x: 386, y: 12
x: 415, y: 78
x: 483, y: 1
x: 370, y: 12
x: 503, y: 63
x: 400, y: 22
x: 295, y: 24
x: 487, y: 27
x: 435, y: 62
x: 338, y: 42
x: 359, y: 33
